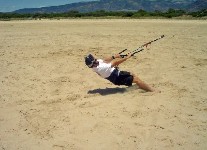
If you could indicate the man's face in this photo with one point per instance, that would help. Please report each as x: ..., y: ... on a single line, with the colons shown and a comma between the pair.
x: 95, y: 63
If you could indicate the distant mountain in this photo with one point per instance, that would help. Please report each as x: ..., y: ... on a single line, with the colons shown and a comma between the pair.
x: 121, y: 5
x: 198, y: 5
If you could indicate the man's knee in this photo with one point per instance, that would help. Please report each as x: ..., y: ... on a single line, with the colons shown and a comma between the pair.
x: 135, y: 78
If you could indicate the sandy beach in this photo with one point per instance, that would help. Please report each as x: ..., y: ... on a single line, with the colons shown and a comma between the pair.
x: 50, y: 100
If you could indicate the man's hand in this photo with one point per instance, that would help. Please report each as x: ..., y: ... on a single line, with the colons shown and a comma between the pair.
x: 128, y: 56
x: 119, y: 61
x: 117, y: 56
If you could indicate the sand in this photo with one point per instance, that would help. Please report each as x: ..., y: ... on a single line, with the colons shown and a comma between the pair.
x: 49, y: 99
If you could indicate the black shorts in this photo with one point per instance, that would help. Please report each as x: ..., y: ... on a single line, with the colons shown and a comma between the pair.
x: 121, y: 78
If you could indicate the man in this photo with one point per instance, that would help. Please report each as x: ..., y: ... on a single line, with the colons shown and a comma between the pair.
x: 107, y: 68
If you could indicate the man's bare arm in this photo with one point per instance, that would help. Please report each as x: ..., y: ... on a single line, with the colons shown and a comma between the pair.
x: 119, y: 61
x: 109, y: 59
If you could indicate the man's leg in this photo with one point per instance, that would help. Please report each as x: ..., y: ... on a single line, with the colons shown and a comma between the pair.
x: 142, y: 84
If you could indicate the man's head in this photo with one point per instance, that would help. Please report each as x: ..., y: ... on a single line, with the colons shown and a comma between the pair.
x: 90, y: 60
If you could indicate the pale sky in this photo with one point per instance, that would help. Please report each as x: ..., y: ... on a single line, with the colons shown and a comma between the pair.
x: 11, y: 5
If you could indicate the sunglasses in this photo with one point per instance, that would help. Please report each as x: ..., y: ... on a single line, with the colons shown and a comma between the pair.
x: 95, y: 62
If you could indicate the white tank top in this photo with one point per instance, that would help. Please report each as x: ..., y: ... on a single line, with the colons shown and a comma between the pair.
x: 103, y: 69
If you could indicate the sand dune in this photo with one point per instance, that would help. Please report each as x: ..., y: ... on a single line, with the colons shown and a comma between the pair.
x: 49, y: 99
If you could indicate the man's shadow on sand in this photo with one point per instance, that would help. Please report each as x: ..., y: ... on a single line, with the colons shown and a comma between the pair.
x: 108, y: 91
